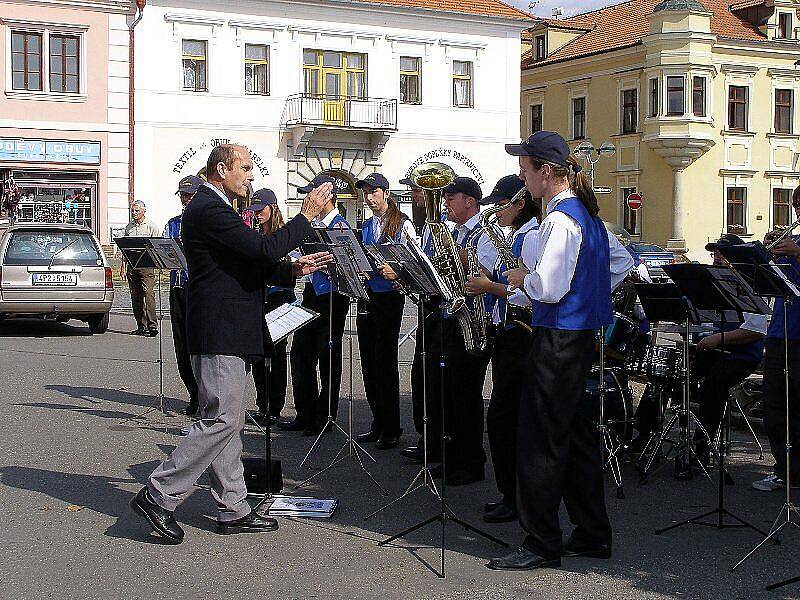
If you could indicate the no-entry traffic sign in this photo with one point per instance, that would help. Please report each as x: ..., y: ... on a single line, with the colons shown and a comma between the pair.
x: 634, y: 201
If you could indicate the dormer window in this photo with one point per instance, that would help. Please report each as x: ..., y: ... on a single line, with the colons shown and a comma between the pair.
x: 541, y: 47
x: 784, y: 26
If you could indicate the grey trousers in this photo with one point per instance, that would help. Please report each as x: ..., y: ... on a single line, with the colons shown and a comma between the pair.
x: 214, y: 441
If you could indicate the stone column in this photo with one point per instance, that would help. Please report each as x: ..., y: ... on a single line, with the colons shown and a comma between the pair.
x: 677, y: 243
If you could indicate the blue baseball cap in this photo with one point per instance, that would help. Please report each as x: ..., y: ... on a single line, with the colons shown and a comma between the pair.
x: 547, y: 146
x: 465, y: 185
x: 318, y: 181
x: 373, y: 180
x: 261, y: 199
x: 189, y: 185
x: 505, y: 189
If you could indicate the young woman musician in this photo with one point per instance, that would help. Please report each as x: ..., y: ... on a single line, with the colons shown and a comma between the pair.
x: 270, y: 384
x: 573, y: 267
x: 379, y: 327
x: 511, y: 342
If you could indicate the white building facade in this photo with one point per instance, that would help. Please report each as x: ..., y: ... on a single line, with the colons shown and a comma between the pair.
x: 345, y: 88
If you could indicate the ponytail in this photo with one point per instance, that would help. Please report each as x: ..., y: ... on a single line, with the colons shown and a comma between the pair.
x: 578, y: 182
x: 394, y: 219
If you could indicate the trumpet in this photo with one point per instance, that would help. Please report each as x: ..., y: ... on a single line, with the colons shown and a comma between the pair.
x: 783, y: 235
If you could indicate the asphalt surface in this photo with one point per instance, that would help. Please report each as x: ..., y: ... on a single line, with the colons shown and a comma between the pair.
x: 74, y: 453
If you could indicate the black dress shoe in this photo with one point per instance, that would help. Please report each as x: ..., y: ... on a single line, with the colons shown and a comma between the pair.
x: 261, y: 418
x: 161, y: 520
x: 152, y: 332
x: 522, y: 560
x: 387, y: 442
x: 490, y: 506
x: 501, y: 514
x: 252, y: 523
x: 412, y: 452
x: 575, y: 548
x: 464, y: 476
x: 369, y: 436
x: 140, y: 331
x: 293, y: 425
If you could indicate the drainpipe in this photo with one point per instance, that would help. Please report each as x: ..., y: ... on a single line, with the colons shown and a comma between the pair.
x: 140, y: 4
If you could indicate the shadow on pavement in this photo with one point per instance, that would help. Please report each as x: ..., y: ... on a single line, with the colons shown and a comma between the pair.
x: 42, y: 328
x: 96, y: 395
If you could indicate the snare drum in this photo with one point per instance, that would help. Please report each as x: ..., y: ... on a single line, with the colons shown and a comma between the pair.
x: 663, y: 363
x: 618, y: 405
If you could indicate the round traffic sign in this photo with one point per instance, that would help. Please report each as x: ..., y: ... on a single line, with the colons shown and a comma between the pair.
x: 634, y: 201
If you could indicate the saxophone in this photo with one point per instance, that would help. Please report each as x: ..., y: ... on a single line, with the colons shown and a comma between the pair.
x: 432, y: 177
x: 520, y: 315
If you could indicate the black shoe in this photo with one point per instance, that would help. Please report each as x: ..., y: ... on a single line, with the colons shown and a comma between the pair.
x: 261, y: 418
x: 252, y: 523
x: 490, y: 506
x: 191, y: 409
x: 293, y: 425
x: 151, y: 332
x: 464, y: 476
x: 161, y: 520
x: 501, y: 514
x: 575, y: 548
x: 140, y: 331
x: 274, y: 419
x: 387, y: 442
x: 522, y: 560
x: 369, y: 436
x: 412, y: 452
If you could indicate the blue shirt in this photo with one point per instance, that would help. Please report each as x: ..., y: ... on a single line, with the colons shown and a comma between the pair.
x: 792, y: 308
x: 173, y: 230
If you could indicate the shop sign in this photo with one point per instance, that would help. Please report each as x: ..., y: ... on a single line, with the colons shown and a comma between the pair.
x: 438, y: 153
x: 50, y: 151
x: 207, y: 145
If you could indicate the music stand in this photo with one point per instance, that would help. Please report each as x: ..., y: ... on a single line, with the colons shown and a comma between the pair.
x: 160, y: 254
x: 721, y: 290
x: 346, y: 251
x: 754, y: 263
x: 445, y: 514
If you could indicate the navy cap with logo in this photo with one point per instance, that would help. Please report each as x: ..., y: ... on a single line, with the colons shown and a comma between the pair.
x: 407, y: 181
x: 505, y: 189
x: 318, y: 181
x: 546, y: 146
x: 374, y: 180
x: 465, y: 185
x: 261, y: 199
x: 729, y: 239
x: 189, y: 185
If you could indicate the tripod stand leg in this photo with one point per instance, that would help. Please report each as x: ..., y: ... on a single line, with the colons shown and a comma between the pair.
x: 657, y: 447
x: 413, y: 528
x: 750, y: 428
x: 780, y: 584
x: 772, y: 535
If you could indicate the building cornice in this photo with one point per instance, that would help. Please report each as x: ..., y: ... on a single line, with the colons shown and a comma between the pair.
x: 258, y: 25
x: 601, y: 56
x: 765, y: 46
x: 790, y: 73
x: 111, y: 6
x: 739, y: 68
x: 193, y: 19
x: 789, y: 174
x: 733, y: 172
x: 31, y: 24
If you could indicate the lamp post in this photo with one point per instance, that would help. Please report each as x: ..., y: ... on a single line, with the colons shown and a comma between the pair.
x: 591, y: 155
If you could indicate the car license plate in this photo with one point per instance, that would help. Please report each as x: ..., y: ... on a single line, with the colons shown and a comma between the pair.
x: 55, y: 279
x: 657, y: 263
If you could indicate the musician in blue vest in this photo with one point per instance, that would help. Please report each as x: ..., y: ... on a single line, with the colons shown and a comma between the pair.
x: 430, y: 326
x: 570, y: 281
x: 777, y: 353
x: 464, y: 373
x: 319, y: 342
x: 379, y: 324
x: 511, y: 321
x: 187, y: 188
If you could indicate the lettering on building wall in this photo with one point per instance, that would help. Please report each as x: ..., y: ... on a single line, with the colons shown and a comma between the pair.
x: 448, y: 153
x: 192, y: 151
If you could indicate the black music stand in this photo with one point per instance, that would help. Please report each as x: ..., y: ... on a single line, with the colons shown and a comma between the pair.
x: 754, y: 263
x: 717, y: 290
x: 419, y: 260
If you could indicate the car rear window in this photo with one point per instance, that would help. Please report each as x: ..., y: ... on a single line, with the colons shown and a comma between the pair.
x: 38, y: 248
x: 646, y: 248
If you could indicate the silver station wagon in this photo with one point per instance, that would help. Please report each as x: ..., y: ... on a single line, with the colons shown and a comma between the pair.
x: 55, y: 270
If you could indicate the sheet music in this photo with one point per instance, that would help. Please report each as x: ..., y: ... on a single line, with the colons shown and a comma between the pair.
x: 347, y: 237
x: 286, y: 319
x: 168, y: 253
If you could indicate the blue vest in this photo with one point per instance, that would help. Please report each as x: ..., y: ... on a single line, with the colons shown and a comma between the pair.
x: 173, y: 230
x: 792, y: 309
x: 516, y: 250
x: 471, y: 239
x: 587, y: 304
x: 751, y: 352
x: 319, y: 279
x: 377, y: 283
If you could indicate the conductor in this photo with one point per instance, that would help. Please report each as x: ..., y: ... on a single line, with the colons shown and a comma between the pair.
x: 229, y: 264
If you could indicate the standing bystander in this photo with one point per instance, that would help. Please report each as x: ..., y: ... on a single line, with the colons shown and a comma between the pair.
x: 141, y: 281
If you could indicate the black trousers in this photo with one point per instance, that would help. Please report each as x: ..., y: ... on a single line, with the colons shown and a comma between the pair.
x: 464, y: 375
x: 558, y: 445
x: 378, y: 334
x: 271, y: 383
x: 431, y: 327
x: 775, y: 404
x: 310, y: 348
x: 177, y: 316
x: 509, y: 354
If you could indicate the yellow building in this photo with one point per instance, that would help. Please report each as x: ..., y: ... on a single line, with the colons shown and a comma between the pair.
x: 699, y: 99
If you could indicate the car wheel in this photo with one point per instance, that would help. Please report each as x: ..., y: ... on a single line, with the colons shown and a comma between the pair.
x: 99, y: 323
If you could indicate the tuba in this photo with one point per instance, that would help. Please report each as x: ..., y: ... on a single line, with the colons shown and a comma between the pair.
x: 432, y: 177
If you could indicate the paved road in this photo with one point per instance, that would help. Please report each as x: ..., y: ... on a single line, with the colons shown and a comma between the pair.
x: 69, y: 441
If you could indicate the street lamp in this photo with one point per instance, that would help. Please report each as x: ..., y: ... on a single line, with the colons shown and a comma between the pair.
x: 591, y: 155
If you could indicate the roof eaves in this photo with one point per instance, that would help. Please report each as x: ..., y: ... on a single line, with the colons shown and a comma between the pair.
x: 552, y: 61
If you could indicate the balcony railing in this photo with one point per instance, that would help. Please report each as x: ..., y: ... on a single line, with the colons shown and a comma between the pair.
x: 341, y: 111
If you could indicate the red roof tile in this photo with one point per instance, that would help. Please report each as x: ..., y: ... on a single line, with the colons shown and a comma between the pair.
x: 492, y: 8
x: 623, y: 25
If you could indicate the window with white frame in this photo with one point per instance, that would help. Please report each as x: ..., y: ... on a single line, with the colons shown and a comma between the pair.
x: 784, y: 26
x: 738, y: 107
x: 655, y: 91
x: 537, y: 118
x: 629, y: 106
x: 46, y: 58
x: 410, y: 79
x: 781, y: 207
x: 462, y: 84
x: 194, y: 65
x: 256, y: 69
x: 676, y: 96
x: 784, y: 107
x: 736, y: 202
x: 630, y: 217
x: 579, y: 118
x: 541, y: 47
x: 699, y: 96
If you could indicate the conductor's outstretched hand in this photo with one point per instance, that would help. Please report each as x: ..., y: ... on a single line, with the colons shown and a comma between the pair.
x: 305, y: 265
x: 316, y: 200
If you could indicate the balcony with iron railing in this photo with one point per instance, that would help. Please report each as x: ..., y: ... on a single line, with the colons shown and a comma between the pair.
x: 366, y: 114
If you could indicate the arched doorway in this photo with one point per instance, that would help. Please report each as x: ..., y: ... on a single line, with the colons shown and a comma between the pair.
x: 348, y: 200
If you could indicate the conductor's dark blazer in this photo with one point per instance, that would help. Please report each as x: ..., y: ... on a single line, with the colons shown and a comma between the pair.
x: 228, y: 265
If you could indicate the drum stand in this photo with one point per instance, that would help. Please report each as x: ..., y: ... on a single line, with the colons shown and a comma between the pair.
x: 611, y: 443
x: 683, y: 416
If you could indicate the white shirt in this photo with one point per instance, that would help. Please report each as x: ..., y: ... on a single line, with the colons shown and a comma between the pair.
x: 487, y: 253
x: 325, y: 221
x: 407, y: 231
x: 553, y: 257
x: 220, y: 194
x: 144, y: 229
x: 517, y: 296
